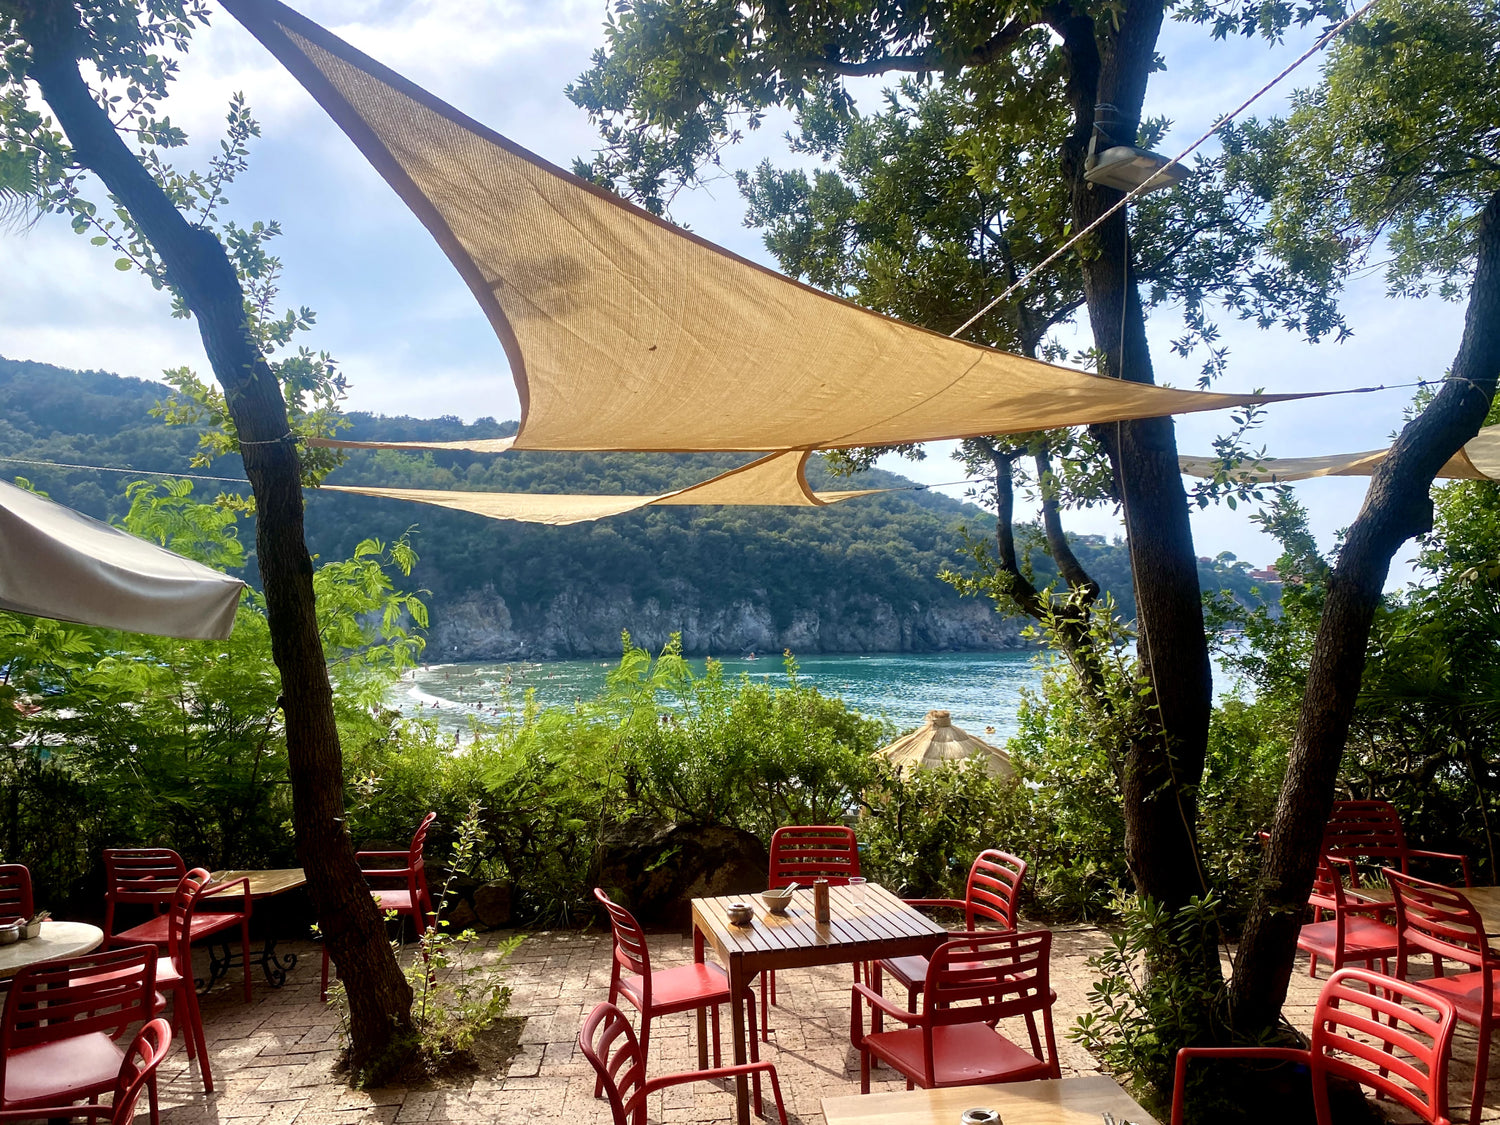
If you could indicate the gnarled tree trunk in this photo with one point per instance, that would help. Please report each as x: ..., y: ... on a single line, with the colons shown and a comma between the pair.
x: 1397, y: 507
x: 196, y: 263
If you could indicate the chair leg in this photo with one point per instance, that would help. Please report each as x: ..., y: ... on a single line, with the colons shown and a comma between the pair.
x: 754, y: 1050
x: 771, y: 981
x: 864, y: 1072
x: 245, y: 954
x: 187, y: 999
x: 765, y: 1013
x: 151, y: 1099
x: 713, y: 1015
x: 645, y: 1040
x: 1481, y: 1073
x: 776, y: 1093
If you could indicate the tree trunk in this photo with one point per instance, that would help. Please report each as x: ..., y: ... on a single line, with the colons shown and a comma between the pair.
x: 1397, y: 507
x: 1164, y: 763
x: 198, y: 267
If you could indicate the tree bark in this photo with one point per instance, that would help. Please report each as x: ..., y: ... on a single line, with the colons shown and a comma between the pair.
x: 1164, y: 764
x: 198, y: 267
x: 1397, y: 507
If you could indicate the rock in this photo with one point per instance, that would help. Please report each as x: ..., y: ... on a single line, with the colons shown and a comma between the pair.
x: 656, y: 871
x: 459, y: 916
x: 492, y: 903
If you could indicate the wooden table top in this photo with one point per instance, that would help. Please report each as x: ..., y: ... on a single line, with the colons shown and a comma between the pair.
x: 1066, y: 1101
x: 263, y: 884
x: 57, y: 939
x: 855, y: 925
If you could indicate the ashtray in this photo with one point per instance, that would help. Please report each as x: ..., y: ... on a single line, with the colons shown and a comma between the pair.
x: 980, y: 1116
x: 740, y: 913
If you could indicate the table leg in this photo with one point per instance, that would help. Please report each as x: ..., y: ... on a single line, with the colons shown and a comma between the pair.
x: 275, y: 968
x: 702, y: 1012
x: 738, y: 982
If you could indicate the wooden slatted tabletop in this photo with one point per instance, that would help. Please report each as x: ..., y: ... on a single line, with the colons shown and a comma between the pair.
x: 1065, y: 1101
x: 865, y: 924
x: 1486, y: 901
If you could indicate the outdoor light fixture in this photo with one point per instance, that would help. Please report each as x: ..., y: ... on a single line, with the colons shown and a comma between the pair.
x: 1124, y: 166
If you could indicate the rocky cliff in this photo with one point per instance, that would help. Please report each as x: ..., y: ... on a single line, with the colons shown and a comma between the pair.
x: 481, y: 625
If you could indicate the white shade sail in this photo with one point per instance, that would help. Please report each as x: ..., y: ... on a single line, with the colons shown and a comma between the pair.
x: 58, y: 563
x: 625, y: 332
x: 1477, y: 460
x: 777, y: 479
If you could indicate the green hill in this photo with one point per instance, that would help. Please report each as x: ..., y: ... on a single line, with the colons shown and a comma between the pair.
x: 859, y: 576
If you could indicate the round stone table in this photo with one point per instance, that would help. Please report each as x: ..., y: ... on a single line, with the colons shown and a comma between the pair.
x: 57, y: 939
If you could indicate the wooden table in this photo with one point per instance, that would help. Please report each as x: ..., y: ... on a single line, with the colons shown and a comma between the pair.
x: 1486, y: 900
x: 1067, y: 1101
x: 57, y: 939
x: 264, y: 884
x: 879, y: 926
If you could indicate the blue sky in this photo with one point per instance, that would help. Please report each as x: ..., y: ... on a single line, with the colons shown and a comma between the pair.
x: 412, y: 340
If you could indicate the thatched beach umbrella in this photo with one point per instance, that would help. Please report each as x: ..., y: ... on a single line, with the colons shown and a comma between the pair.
x: 937, y: 741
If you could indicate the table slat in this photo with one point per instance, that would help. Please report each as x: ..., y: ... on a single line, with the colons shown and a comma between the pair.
x: 1067, y: 1101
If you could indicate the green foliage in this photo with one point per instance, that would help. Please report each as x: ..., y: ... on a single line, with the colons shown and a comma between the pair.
x: 151, y: 740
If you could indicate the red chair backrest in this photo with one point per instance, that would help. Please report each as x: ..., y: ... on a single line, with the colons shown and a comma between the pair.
x: 1006, y: 974
x: 994, y: 889
x: 73, y: 996
x: 804, y: 852
x: 1432, y: 918
x: 1365, y: 830
x: 611, y: 1048
x: 631, y: 953
x: 142, y: 1059
x: 419, y: 841
x: 180, y: 921
x: 15, y: 892
x: 141, y: 874
x: 1402, y: 1055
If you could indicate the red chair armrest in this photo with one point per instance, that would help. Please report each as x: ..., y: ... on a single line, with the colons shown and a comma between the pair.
x: 1179, y: 1084
x: 880, y: 1004
x: 1463, y: 861
x: 654, y: 1084
x: 216, y: 890
x: 934, y: 903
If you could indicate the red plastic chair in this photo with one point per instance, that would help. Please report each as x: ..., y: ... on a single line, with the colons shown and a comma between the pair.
x: 1434, y: 919
x: 15, y: 893
x: 1371, y: 830
x: 137, y: 1073
x: 801, y: 853
x: 411, y: 900
x: 1352, y: 935
x: 991, y: 896
x: 973, y: 982
x: 664, y: 992
x: 60, y: 1022
x: 620, y: 1062
x: 149, y: 877
x: 1409, y: 1065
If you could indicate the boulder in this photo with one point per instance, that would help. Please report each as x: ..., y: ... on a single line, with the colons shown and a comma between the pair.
x: 656, y: 870
x: 492, y: 902
x: 459, y: 916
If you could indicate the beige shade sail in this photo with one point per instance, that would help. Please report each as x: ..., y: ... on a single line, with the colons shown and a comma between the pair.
x: 777, y: 479
x: 937, y: 741
x: 62, y: 564
x: 625, y: 332
x: 1477, y: 460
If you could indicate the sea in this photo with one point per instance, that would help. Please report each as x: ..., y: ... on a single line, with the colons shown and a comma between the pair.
x: 982, y: 690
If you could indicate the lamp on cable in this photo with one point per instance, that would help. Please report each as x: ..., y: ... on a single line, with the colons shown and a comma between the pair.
x: 1124, y: 166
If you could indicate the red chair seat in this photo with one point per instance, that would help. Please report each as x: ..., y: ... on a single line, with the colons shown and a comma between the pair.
x: 154, y: 932
x: 399, y: 901
x: 1364, y: 939
x: 681, y: 987
x: 965, y: 1054
x: 63, y: 1071
x: 1463, y: 990
x: 908, y: 971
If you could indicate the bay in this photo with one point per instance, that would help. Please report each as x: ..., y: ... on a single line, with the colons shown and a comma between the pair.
x: 982, y: 690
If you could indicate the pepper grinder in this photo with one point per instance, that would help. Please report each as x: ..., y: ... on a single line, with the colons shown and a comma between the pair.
x: 820, y: 899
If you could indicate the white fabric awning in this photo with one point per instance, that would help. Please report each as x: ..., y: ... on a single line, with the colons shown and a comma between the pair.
x: 778, y: 479
x: 58, y: 563
x: 625, y: 332
x: 1477, y: 460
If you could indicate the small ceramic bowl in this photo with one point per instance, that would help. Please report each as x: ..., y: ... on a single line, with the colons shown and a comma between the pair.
x: 740, y: 913
x: 10, y: 933
x: 777, y: 901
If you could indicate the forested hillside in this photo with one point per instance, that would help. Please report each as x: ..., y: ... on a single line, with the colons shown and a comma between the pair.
x: 859, y: 576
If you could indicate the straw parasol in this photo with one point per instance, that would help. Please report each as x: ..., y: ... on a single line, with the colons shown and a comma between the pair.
x: 937, y: 741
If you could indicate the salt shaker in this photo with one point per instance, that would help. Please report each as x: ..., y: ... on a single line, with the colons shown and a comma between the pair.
x: 820, y: 899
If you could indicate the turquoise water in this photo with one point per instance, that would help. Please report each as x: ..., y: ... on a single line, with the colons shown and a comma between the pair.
x: 981, y: 689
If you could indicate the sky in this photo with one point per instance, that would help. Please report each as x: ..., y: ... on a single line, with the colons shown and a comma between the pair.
x: 412, y: 340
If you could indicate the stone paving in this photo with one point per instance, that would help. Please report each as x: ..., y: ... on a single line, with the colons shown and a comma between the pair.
x: 273, y: 1060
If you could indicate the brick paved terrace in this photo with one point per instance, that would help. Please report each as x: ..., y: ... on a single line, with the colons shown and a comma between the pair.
x: 273, y: 1061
